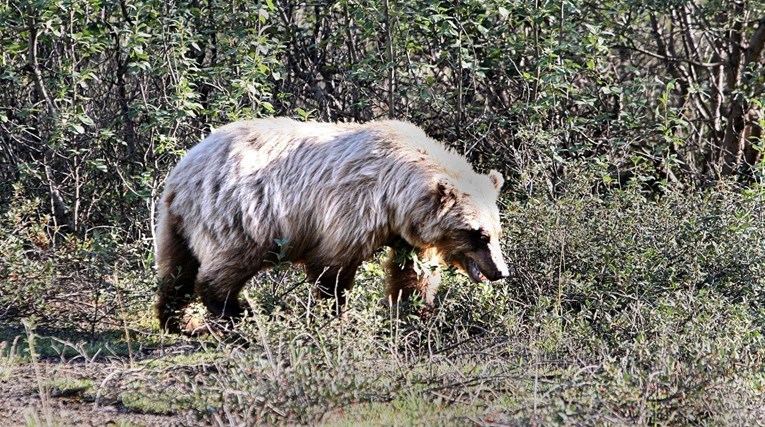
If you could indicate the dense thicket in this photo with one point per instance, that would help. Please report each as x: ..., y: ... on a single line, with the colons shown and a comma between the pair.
x: 98, y: 99
x: 631, y: 134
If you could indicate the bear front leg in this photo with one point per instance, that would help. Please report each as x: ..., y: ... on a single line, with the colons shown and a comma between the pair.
x: 407, y: 275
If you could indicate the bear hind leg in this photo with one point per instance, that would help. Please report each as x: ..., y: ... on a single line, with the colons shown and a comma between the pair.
x: 218, y: 286
x: 178, y: 269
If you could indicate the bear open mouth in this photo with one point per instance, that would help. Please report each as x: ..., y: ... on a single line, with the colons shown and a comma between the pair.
x: 474, y: 272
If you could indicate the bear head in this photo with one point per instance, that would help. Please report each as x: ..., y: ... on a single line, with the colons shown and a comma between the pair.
x: 465, y: 227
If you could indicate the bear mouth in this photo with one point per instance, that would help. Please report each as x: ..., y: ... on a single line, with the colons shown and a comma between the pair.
x: 474, y: 272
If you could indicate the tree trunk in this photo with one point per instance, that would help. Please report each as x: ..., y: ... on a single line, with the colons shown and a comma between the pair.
x: 738, y: 127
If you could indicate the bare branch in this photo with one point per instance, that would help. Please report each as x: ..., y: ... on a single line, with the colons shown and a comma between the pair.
x: 34, y: 65
x: 667, y: 57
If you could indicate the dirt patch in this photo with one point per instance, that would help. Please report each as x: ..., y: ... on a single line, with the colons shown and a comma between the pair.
x: 68, y: 394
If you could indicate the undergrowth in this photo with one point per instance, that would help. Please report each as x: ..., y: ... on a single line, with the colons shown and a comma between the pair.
x: 624, y: 307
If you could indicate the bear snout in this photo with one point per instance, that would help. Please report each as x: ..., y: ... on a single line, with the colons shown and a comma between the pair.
x: 498, y: 267
x: 502, y: 271
x: 484, y: 266
x: 497, y: 274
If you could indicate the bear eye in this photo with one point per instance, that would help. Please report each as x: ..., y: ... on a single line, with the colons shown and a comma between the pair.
x: 479, y: 236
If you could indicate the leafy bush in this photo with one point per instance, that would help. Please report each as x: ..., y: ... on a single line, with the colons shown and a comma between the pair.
x: 624, y: 307
x: 637, y: 295
x: 87, y: 284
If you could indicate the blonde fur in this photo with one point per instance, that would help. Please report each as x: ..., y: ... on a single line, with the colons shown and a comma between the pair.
x: 334, y: 192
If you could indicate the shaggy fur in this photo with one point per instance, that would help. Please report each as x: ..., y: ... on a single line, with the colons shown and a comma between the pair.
x: 336, y: 193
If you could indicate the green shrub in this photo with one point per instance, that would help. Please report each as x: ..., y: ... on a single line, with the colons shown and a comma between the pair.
x: 625, y: 307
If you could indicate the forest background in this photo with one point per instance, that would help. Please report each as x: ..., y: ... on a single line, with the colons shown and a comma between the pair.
x: 630, y: 134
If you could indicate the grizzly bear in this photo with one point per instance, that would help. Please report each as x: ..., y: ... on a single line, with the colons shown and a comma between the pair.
x: 326, y: 196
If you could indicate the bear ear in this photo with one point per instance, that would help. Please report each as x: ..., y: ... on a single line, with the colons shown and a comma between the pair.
x: 446, y: 195
x: 496, y: 179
